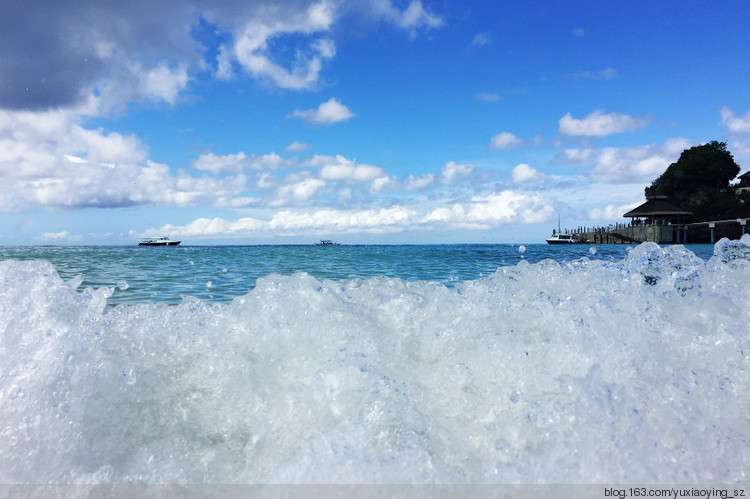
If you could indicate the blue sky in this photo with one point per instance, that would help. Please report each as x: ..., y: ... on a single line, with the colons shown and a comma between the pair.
x: 364, y: 122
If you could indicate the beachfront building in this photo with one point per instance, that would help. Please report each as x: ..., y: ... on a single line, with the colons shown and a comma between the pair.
x: 657, y: 211
x: 657, y: 220
x: 744, y: 185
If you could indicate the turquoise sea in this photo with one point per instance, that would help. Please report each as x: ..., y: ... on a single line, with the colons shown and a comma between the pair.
x: 375, y: 364
x: 221, y: 273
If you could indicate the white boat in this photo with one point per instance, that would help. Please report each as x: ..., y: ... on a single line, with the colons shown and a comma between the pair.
x: 158, y: 241
x: 558, y: 238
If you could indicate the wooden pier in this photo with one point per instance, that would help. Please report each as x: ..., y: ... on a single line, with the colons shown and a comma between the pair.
x: 698, y: 232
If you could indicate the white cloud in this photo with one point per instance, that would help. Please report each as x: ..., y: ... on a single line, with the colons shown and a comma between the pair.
x: 452, y: 171
x: 224, y: 60
x: 508, y: 206
x: 331, y: 111
x: 575, y: 156
x: 636, y: 164
x: 412, y: 18
x: 237, y: 162
x: 149, y: 53
x: 445, y: 215
x: 481, y: 39
x: 339, y: 168
x: 55, y: 236
x: 297, y: 146
x: 419, y: 182
x: 382, y: 184
x: 165, y: 83
x: 505, y: 140
x: 384, y: 219
x: 611, y: 212
x: 251, y: 45
x: 599, y: 124
x: 48, y: 158
x: 214, y: 226
x: 738, y: 129
x: 734, y: 123
x: 297, y: 190
x: 523, y: 173
x: 481, y: 212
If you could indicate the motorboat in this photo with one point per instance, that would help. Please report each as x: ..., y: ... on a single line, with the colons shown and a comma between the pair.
x: 158, y: 241
x: 558, y: 238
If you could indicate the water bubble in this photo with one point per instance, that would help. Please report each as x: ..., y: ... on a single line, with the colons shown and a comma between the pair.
x: 209, y: 284
x: 522, y: 249
x: 592, y: 250
x: 122, y: 285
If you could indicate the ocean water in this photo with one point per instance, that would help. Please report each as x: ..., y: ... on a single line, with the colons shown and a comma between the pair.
x: 375, y: 364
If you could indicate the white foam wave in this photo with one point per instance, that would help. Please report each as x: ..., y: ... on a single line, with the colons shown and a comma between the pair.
x: 592, y: 371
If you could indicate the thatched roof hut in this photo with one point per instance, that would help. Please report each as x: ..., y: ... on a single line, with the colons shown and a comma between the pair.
x: 657, y: 208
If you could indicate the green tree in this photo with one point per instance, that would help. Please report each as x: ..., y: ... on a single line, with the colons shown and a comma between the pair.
x: 699, y: 181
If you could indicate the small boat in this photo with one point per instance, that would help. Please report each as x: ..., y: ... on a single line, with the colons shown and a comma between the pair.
x: 326, y: 242
x: 558, y: 238
x: 158, y: 241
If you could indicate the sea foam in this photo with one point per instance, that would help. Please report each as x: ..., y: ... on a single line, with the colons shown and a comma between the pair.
x: 585, y: 372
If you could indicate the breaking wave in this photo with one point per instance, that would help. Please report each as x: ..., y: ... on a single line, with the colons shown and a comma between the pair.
x: 583, y: 372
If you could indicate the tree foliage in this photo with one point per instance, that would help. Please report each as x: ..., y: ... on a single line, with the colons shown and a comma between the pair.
x: 699, y: 181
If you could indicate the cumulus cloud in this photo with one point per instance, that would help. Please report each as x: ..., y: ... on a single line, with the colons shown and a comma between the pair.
x: 214, y: 226
x: 600, y: 124
x: 738, y: 129
x: 331, y: 111
x: 481, y: 212
x: 339, y: 168
x: 574, y: 156
x: 419, y: 181
x: 131, y: 51
x: 380, y: 220
x: 509, y: 206
x: 251, y: 44
x: 412, y: 18
x: 48, y: 158
x: 452, y: 172
x: 297, y: 146
x: 237, y: 162
x: 523, y: 173
x: 735, y: 124
x: 611, y: 212
x: 637, y: 164
x: 299, y: 190
x: 356, y: 173
x: 382, y: 184
x: 505, y: 140
x: 75, y: 48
